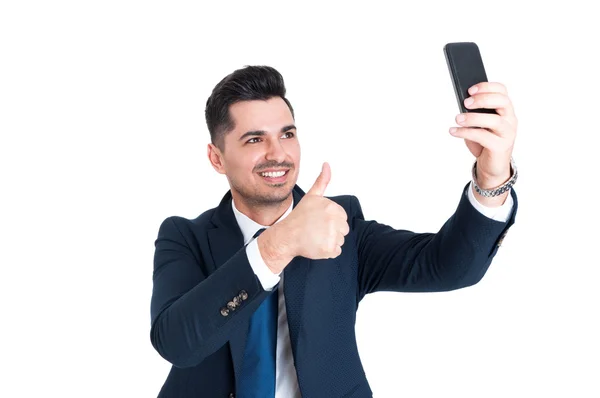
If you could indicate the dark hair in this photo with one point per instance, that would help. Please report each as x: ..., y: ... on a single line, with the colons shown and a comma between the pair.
x: 248, y: 83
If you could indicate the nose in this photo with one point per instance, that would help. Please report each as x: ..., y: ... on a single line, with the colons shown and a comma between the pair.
x: 275, y: 151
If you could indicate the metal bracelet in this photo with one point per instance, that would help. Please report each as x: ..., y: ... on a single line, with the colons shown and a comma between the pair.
x: 500, y: 189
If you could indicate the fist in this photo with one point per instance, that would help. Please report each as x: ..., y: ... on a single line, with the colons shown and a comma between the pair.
x: 317, y: 225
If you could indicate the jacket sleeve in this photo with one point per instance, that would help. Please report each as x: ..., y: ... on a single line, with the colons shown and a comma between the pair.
x: 457, y: 256
x: 187, y: 322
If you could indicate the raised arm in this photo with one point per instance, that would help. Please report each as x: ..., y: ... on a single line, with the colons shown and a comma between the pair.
x: 458, y: 255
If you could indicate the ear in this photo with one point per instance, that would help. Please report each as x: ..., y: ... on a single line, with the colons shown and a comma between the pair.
x: 216, y: 158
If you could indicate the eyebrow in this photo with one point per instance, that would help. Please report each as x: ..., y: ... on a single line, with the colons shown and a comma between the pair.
x: 263, y: 132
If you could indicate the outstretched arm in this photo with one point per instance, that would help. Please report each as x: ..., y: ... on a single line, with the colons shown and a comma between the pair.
x: 458, y: 255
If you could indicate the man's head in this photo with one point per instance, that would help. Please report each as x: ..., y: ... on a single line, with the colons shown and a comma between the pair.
x: 251, y: 125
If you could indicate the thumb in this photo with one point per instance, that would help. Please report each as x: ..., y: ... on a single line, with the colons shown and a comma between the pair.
x: 322, y: 181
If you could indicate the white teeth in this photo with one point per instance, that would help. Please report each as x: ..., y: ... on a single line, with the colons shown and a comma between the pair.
x: 273, y: 174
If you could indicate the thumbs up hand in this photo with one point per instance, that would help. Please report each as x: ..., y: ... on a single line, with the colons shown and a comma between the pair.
x: 317, y: 226
x: 322, y: 181
x: 315, y: 229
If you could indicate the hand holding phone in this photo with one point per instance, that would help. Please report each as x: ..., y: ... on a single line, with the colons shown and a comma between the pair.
x: 466, y: 69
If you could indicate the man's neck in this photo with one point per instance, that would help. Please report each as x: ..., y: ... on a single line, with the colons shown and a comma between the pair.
x: 263, y: 215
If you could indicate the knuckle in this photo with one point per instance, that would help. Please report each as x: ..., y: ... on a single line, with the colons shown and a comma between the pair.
x: 331, y: 248
x: 330, y: 206
x: 323, y: 249
x: 500, y: 124
x: 343, y: 228
x: 332, y: 230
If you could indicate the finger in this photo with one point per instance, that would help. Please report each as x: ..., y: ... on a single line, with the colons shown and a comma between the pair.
x: 345, y: 229
x: 340, y: 240
x: 488, y: 87
x: 474, y: 148
x: 341, y: 213
x: 336, y: 253
x: 323, y: 179
x: 483, y: 137
x: 494, y: 123
x: 500, y: 102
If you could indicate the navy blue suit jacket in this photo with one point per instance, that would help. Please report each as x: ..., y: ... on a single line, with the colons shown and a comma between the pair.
x: 201, y: 265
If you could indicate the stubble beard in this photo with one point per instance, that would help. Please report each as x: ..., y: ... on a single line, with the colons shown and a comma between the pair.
x: 263, y: 198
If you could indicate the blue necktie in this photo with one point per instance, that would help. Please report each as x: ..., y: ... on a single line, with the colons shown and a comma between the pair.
x: 258, y: 369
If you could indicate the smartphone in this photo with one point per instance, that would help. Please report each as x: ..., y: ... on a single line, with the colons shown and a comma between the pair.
x: 466, y: 69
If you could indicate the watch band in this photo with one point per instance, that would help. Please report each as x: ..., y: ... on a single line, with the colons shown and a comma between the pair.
x: 500, y: 189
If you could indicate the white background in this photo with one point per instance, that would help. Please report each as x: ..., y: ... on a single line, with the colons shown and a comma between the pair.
x: 103, y: 136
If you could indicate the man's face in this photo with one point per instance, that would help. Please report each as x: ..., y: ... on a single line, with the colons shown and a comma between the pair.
x: 264, y: 140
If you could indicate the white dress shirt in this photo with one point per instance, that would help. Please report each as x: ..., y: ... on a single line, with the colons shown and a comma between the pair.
x: 286, y: 380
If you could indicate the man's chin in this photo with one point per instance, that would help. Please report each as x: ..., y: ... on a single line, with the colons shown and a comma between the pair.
x: 276, y: 197
x: 271, y: 194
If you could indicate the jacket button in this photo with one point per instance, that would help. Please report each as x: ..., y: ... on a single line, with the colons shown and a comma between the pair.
x: 224, y: 311
x: 243, y: 295
x: 237, y: 300
x: 231, y: 306
x: 231, y: 395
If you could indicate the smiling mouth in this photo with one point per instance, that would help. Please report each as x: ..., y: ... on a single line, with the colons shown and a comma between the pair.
x: 275, y: 176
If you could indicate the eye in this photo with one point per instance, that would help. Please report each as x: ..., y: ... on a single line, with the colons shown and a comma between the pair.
x: 252, y: 142
x: 290, y: 133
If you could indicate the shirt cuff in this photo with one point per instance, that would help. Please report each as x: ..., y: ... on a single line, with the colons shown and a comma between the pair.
x: 266, y: 277
x: 501, y: 213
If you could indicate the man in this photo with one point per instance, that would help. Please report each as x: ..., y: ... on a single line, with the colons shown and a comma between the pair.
x: 258, y: 296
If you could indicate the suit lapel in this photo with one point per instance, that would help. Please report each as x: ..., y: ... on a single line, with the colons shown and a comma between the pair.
x: 294, y: 286
x: 226, y: 239
x: 295, y: 275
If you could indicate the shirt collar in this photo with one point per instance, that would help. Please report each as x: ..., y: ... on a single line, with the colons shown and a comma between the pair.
x: 248, y: 226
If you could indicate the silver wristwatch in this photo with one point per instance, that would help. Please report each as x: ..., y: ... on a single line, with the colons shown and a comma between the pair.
x: 500, y: 189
